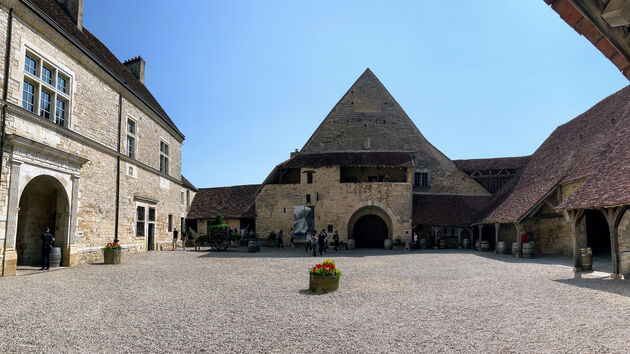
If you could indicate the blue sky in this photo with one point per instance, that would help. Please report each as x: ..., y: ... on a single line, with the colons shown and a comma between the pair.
x: 249, y: 81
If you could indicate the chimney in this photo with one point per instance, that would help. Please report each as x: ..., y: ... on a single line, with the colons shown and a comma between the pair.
x: 136, y: 66
x: 74, y: 9
x: 293, y: 153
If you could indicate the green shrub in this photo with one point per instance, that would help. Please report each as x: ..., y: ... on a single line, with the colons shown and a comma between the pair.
x: 272, y: 236
x: 203, y: 240
x: 397, y: 242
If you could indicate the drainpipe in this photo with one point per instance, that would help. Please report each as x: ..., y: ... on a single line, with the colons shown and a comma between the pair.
x: 118, y: 168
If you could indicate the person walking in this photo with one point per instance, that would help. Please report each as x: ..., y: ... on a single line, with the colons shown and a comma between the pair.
x: 321, y: 240
x: 292, y: 235
x: 175, y: 238
x: 47, y: 243
x: 279, y: 239
x: 309, y: 246
x: 336, y: 240
x: 184, y: 239
x: 325, y: 242
x: 415, y: 240
x: 314, y: 245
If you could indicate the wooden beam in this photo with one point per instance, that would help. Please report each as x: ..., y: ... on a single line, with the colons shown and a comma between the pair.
x: 496, y: 237
x: 613, y: 218
x: 575, y: 216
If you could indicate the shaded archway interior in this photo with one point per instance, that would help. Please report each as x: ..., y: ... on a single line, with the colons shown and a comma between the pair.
x: 597, y: 233
x: 43, y: 203
x: 370, y: 231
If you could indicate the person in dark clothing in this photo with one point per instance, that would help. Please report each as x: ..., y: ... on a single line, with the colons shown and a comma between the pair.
x: 279, y: 239
x: 322, y: 242
x: 336, y: 240
x: 47, y: 243
x: 175, y: 239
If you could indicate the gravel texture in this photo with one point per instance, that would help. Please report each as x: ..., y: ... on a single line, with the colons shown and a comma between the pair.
x: 388, y: 301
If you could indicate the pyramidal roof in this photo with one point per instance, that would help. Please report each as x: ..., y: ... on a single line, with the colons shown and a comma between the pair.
x: 367, y: 117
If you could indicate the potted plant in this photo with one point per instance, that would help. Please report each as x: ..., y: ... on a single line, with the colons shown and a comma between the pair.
x: 271, y: 240
x: 324, y: 277
x: 112, y: 253
x: 397, y: 245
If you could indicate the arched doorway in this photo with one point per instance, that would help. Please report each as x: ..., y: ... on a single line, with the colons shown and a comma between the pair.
x: 597, y: 233
x: 43, y: 203
x: 370, y: 231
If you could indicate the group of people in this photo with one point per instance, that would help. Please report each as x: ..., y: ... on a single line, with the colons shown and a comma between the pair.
x: 321, y: 240
x: 175, y: 236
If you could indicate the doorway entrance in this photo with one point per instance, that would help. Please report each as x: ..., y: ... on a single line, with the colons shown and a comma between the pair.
x: 43, y: 203
x: 597, y: 233
x: 370, y: 231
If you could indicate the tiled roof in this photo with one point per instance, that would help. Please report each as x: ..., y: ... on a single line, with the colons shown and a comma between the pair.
x: 492, y: 163
x: 455, y: 210
x: 97, y: 49
x: 365, y: 159
x: 187, y: 184
x: 231, y: 202
x: 594, y: 145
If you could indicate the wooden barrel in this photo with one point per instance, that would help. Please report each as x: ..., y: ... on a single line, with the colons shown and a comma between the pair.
x: 387, y: 244
x: 55, y: 257
x: 485, y: 245
x: 442, y: 243
x: 586, y: 259
x: 466, y: 243
x: 528, y: 250
x: 516, y: 249
x: 625, y: 264
x: 501, y: 247
x: 423, y: 243
x: 477, y: 244
x: 252, y: 246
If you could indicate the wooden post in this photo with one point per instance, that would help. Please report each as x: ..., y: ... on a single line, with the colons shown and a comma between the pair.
x: 470, y: 236
x: 613, y: 217
x: 480, y: 226
x: 496, y: 237
x: 575, y: 216
x: 459, y: 238
x: 519, y: 229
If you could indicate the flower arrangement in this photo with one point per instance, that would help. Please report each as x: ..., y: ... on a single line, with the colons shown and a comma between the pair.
x: 326, y: 268
x: 111, y: 246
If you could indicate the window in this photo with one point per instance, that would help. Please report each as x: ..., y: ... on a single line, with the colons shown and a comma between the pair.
x: 47, y: 75
x: 152, y: 214
x: 30, y: 65
x: 421, y: 179
x: 130, y: 171
x: 28, y: 96
x: 181, y: 197
x: 61, y: 84
x: 164, y: 157
x: 308, y: 198
x: 140, y: 221
x: 309, y: 177
x: 170, y: 222
x: 60, y: 112
x: 44, y: 107
x: 40, y: 95
x: 187, y: 199
x: 131, y: 139
x: 330, y: 228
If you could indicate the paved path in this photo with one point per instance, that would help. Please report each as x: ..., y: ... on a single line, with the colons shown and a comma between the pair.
x: 388, y: 301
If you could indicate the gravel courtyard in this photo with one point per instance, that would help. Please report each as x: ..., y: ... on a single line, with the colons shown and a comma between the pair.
x: 388, y: 301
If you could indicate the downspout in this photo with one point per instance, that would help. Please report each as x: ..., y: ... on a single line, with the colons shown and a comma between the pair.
x: 118, y: 168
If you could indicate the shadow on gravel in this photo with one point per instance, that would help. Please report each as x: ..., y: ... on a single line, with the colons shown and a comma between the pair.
x: 269, y: 252
x: 307, y: 292
x: 606, y: 284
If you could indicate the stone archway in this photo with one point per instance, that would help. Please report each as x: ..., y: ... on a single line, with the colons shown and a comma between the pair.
x: 369, y: 226
x: 43, y: 203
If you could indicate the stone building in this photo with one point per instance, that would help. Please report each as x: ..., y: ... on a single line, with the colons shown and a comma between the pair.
x: 87, y: 150
x: 359, y: 172
x: 235, y: 204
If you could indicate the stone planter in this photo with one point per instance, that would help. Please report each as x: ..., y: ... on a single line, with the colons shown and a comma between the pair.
x: 112, y: 255
x: 322, y: 284
x: 387, y: 244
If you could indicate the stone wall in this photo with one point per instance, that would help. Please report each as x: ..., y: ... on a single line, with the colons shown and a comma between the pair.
x: 334, y: 202
x: 91, y: 135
